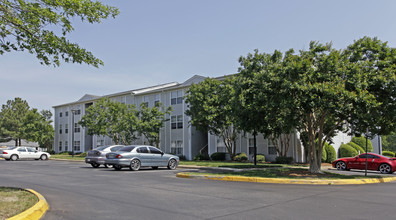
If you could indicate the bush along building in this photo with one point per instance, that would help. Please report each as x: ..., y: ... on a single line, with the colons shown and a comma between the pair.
x: 177, y: 136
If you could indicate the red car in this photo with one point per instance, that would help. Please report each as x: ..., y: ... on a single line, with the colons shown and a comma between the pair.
x: 374, y: 162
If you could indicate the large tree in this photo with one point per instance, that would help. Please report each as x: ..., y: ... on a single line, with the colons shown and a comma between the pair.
x: 32, y: 26
x: 210, y: 109
x: 37, y: 127
x: 112, y: 119
x: 151, y: 120
x: 260, y: 103
x: 12, y: 118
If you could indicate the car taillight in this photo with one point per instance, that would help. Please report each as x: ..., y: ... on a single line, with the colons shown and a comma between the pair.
x: 5, y: 152
x: 119, y: 156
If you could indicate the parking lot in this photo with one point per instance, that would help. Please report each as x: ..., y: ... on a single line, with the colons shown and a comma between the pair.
x: 75, y: 190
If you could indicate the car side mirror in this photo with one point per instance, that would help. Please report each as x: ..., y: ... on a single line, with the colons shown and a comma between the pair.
x: 162, y: 153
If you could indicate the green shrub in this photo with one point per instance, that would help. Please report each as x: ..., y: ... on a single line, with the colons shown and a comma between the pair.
x: 284, y: 160
x: 361, y: 141
x: 324, y: 153
x: 331, y: 153
x: 51, y: 152
x: 347, y: 151
x: 388, y: 153
x: 83, y: 154
x: 260, y: 158
x: 218, y: 156
x: 358, y: 148
x: 182, y: 157
x: 201, y: 157
x: 241, y: 157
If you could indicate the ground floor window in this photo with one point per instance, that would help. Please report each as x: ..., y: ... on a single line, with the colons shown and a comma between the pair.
x: 272, y: 147
x: 77, y: 146
x: 60, y: 145
x: 177, y: 147
x: 66, y: 146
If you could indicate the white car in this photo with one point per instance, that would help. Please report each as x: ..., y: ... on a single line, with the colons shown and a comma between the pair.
x: 16, y: 153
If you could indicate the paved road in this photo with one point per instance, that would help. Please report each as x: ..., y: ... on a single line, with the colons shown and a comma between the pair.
x: 77, y: 191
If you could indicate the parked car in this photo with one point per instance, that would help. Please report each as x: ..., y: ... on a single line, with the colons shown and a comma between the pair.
x: 97, y: 156
x: 16, y: 153
x: 374, y: 162
x: 136, y: 156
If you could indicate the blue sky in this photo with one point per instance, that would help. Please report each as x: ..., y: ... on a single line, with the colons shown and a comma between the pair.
x: 157, y: 41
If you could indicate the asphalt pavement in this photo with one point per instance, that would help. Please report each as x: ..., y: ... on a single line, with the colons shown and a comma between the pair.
x: 78, y: 191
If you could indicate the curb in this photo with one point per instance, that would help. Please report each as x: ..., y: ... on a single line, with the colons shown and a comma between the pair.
x: 288, y: 181
x: 35, y: 212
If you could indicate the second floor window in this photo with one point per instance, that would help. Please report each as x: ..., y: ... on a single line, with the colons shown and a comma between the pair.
x: 60, y: 129
x: 60, y: 114
x: 76, y: 128
x: 176, y: 97
x: 177, y: 121
x: 66, y: 128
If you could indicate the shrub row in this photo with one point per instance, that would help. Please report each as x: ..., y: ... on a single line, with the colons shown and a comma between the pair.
x: 388, y: 153
x: 361, y: 141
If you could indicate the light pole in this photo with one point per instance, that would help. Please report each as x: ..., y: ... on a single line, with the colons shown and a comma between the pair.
x: 73, y: 111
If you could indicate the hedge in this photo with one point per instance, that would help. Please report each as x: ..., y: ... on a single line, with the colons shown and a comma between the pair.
x: 357, y: 147
x: 218, y: 156
x: 330, y: 152
x: 201, y: 157
x: 324, y: 155
x: 347, y: 151
x: 361, y: 141
x: 241, y: 157
x: 388, y: 153
x: 260, y: 158
x: 284, y: 160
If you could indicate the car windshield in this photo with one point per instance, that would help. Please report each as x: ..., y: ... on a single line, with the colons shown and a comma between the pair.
x: 101, y: 148
x: 127, y: 148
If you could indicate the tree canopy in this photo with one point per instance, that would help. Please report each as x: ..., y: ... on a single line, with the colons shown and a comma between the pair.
x: 122, y: 122
x: 32, y: 26
x: 18, y: 121
x: 210, y: 109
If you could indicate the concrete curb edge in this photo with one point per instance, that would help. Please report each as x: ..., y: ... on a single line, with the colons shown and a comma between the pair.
x: 288, y: 181
x: 35, y: 212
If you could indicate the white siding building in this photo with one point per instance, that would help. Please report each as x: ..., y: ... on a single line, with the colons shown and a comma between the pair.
x: 176, y: 137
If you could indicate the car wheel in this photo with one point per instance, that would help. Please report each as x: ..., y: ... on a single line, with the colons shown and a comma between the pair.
x: 172, y: 164
x: 108, y: 165
x: 341, y: 165
x: 385, y: 168
x: 135, y: 165
x: 7, y: 159
x: 154, y: 168
x: 14, y: 157
x: 95, y: 165
x: 43, y: 157
x: 117, y: 167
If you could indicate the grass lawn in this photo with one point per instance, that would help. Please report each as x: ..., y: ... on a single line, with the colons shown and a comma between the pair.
x: 14, y: 201
x: 67, y: 157
x: 237, y: 165
x: 291, y: 173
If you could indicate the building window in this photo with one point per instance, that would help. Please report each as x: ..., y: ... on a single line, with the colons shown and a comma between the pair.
x: 77, y: 146
x: 77, y: 112
x: 157, y: 99
x: 251, y: 146
x: 66, y: 146
x: 66, y: 128
x: 176, y: 97
x: 60, y: 129
x: 66, y: 113
x: 123, y: 100
x: 60, y: 145
x: 76, y: 128
x: 272, y: 147
x: 145, y: 100
x: 220, y: 145
x: 60, y: 114
x: 177, y: 121
x: 177, y: 147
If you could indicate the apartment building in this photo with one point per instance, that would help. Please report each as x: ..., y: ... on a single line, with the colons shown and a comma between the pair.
x: 177, y: 136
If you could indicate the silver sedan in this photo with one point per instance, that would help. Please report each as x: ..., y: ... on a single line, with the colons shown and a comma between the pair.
x: 97, y: 156
x: 136, y: 156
